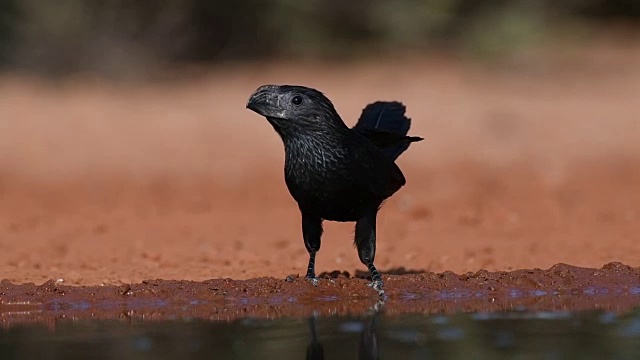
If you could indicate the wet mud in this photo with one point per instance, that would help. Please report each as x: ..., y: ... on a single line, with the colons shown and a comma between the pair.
x: 614, y: 287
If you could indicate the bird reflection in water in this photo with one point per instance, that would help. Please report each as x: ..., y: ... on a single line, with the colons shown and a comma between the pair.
x: 367, y: 345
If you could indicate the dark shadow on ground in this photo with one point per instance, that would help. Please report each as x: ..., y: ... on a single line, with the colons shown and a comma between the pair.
x: 360, y: 274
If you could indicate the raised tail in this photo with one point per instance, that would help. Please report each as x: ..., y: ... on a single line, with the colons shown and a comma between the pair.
x: 385, y: 124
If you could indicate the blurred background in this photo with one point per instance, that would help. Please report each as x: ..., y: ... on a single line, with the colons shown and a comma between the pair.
x: 119, y: 38
x: 126, y: 151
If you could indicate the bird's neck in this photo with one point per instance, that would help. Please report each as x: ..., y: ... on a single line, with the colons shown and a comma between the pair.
x: 317, y: 151
x: 312, y: 142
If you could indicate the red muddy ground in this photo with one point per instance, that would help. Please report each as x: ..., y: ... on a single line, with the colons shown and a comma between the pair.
x: 615, y: 288
x: 535, y: 164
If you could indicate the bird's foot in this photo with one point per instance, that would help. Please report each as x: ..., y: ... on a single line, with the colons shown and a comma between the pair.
x: 377, y: 286
x: 313, y: 280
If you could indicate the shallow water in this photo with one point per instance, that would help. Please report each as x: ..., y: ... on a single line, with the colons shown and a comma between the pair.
x: 564, y: 312
x: 500, y: 335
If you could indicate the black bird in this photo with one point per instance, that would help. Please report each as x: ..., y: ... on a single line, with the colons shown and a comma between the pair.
x: 333, y: 172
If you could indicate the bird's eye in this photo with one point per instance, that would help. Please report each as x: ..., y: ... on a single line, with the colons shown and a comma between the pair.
x: 296, y: 100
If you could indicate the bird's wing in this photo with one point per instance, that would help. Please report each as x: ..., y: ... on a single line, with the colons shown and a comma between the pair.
x: 382, y: 176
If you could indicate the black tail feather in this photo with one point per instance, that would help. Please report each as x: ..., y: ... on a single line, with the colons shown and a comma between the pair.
x: 385, y: 124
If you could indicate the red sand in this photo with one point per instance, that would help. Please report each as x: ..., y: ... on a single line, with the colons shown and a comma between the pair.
x: 523, y: 167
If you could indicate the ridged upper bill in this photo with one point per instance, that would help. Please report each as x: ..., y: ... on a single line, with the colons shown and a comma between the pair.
x: 264, y: 100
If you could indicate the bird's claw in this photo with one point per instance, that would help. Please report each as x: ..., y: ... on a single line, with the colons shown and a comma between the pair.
x: 312, y: 280
x: 377, y: 286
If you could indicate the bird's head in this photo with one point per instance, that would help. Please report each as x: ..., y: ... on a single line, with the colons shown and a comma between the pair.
x: 294, y: 108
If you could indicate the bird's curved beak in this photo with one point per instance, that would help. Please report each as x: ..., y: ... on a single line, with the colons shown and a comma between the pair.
x: 264, y: 101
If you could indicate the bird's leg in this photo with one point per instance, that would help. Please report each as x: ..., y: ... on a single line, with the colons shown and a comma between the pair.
x: 311, y: 233
x: 311, y: 272
x: 365, y: 240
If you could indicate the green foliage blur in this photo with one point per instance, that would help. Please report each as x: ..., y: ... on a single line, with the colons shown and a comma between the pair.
x: 121, y: 37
